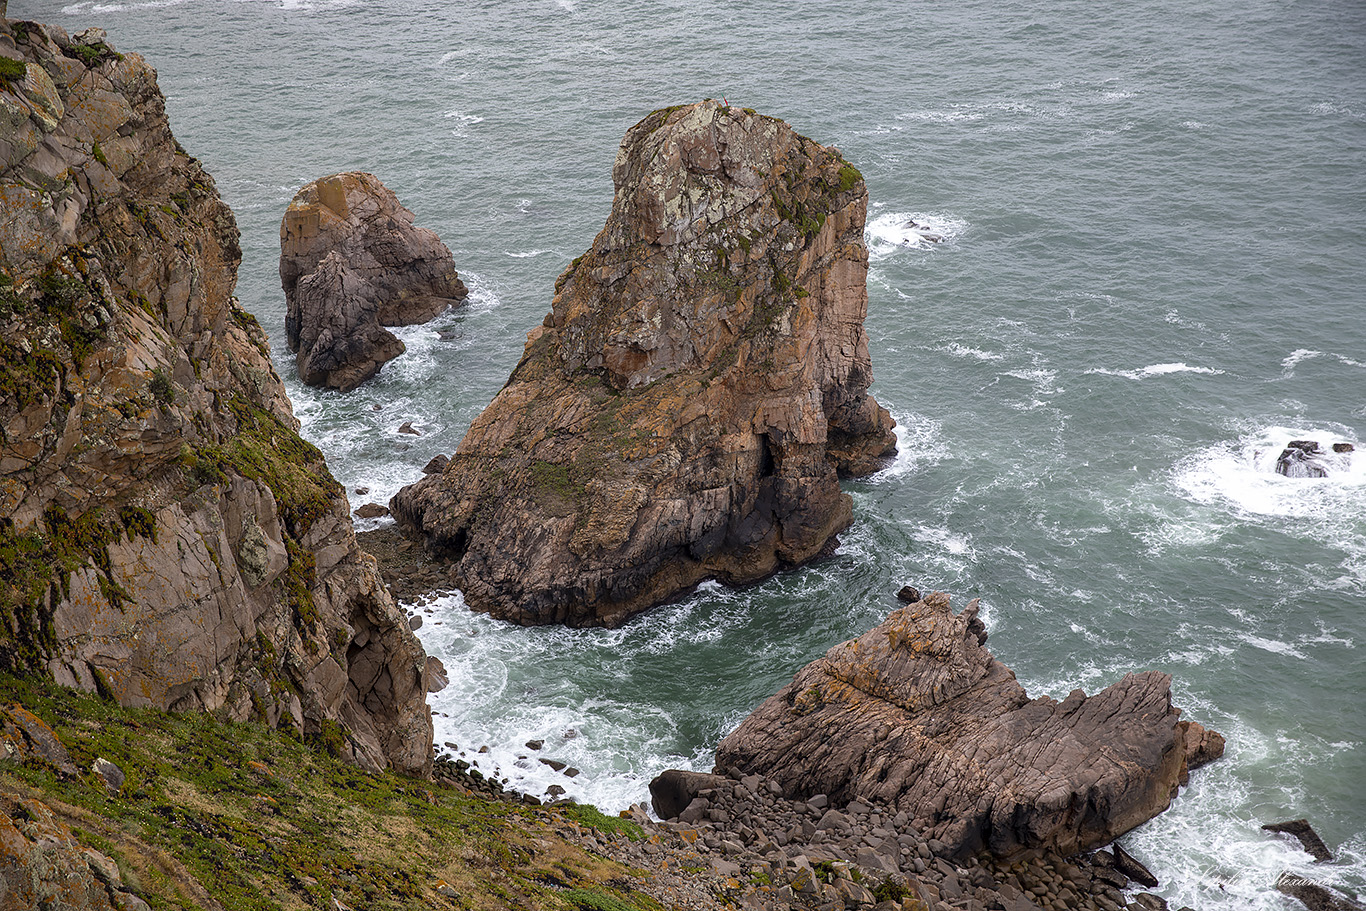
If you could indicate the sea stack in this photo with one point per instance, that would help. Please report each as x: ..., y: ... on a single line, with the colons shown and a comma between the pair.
x: 686, y: 409
x: 351, y: 263
x: 918, y: 716
x: 168, y: 539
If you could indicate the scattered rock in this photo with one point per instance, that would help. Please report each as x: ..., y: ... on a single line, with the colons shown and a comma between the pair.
x: 415, y: 622
x: 362, y: 491
x: 1127, y: 864
x: 111, y: 774
x: 553, y: 763
x: 918, y: 715
x: 372, y: 511
x: 352, y: 262
x: 908, y: 594
x: 535, y: 744
x: 686, y: 409
x: 1301, y: 829
x: 437, y: 679
x: 408, y: 428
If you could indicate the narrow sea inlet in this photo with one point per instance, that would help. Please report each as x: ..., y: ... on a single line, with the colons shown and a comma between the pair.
x: 1116, y: 265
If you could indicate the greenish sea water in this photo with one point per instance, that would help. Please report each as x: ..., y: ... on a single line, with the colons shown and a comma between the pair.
x: 1153, y: 276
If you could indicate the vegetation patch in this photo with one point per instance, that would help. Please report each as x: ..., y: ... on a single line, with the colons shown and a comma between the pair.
x: 261, y: 821
x: 12, y: 71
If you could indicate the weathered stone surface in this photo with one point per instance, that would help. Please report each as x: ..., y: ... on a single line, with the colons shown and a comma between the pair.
x: 177, y: 544
x: 352, y: 262
x: 918, y: 715
x: 673, y: 789
x: 25, y: 737
x: 42, y: 865
x: 689, y: 403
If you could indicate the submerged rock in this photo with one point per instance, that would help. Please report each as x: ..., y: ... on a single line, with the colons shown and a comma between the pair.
x: 172, y: 541
x: 1309, y: 459
x: 688, y: 405
x: 1301, y: 829
x: 352, y: 262
x: 916, y: 714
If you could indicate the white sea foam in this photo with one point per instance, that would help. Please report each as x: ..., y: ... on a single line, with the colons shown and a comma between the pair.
x: 957, y: 350
x: 1300, y: 355
x: 1155, y: 370
x: 919, y: 441
x: 463, y: 121
x: 891, y: 232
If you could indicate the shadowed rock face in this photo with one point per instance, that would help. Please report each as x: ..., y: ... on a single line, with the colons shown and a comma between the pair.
x: 167, y: 537
x: 916, y: 714
x: 352, y: 262
x: 687, y: 406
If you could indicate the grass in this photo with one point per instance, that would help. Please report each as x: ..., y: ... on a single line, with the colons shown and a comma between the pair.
x: 261, y: 821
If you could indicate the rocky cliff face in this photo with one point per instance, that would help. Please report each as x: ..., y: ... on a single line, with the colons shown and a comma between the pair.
x: 167, y: 537
x: 351, y: 263
x: 689, y: 403
x: 918, y: 716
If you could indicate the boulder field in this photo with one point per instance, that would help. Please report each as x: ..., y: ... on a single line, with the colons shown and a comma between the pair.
x: 352, y: 262
x: 167, y: 538
x: 686, y: 409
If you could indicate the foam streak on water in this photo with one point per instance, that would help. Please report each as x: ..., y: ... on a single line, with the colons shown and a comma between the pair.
x: 1147, y: 280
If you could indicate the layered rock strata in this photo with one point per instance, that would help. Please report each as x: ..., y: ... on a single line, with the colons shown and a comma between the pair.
x: 917, y: 715
x: 352, y: 262
x: 688, y: 405
x: 168, y: 539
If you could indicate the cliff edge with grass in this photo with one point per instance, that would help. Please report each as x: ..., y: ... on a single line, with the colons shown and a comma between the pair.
x: 168, y: 540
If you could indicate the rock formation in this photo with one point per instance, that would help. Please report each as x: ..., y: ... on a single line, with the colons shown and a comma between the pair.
x: 352, y: 262
x: 686, y: 408
x: 168, y: 539
x: 1308, y: 459
x: 917, y: 715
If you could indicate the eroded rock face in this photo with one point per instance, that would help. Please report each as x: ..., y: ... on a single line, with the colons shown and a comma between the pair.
x: 168, y: 538
x: 689, y: 403
x: 352, y: 262
x: 916, y: 714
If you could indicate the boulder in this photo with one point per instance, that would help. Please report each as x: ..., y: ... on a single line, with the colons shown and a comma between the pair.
x: 673, y: 789
x: 175, y: 543
x: 352, y: 262
x: 1301, y: 829
x: 1309, y: 459
x: 686, y: 409
x: 917, y: 715
x: 24, y: 737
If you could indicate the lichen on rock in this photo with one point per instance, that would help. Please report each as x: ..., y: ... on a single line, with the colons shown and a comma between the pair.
x: 168, y: 538
x: 688, y: 405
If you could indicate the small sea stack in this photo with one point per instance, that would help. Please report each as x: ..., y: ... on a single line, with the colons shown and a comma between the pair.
x: 686, y: 409
x: 918, y: 716
x: 351, y: 263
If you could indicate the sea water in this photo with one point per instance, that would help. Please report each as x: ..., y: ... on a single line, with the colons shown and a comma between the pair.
x: 1116, y: 264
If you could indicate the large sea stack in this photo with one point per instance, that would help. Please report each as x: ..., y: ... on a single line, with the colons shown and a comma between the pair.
x: 688, y: 405
x: 168, y: 539
x: 917, y: 715
x: 352, y: 262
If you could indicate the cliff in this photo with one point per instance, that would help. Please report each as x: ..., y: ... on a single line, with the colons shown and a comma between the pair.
x: 685, y: 410
x: 168, y: 538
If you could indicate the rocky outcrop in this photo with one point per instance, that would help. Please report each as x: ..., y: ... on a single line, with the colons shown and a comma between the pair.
x: 352, y: 262
x: 168, y: 539
x: 686, y: 408
x: 917, y: 715
x: 1309, y: 459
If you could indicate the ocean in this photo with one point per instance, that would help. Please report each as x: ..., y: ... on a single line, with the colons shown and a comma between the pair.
x: 1152, y: 275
